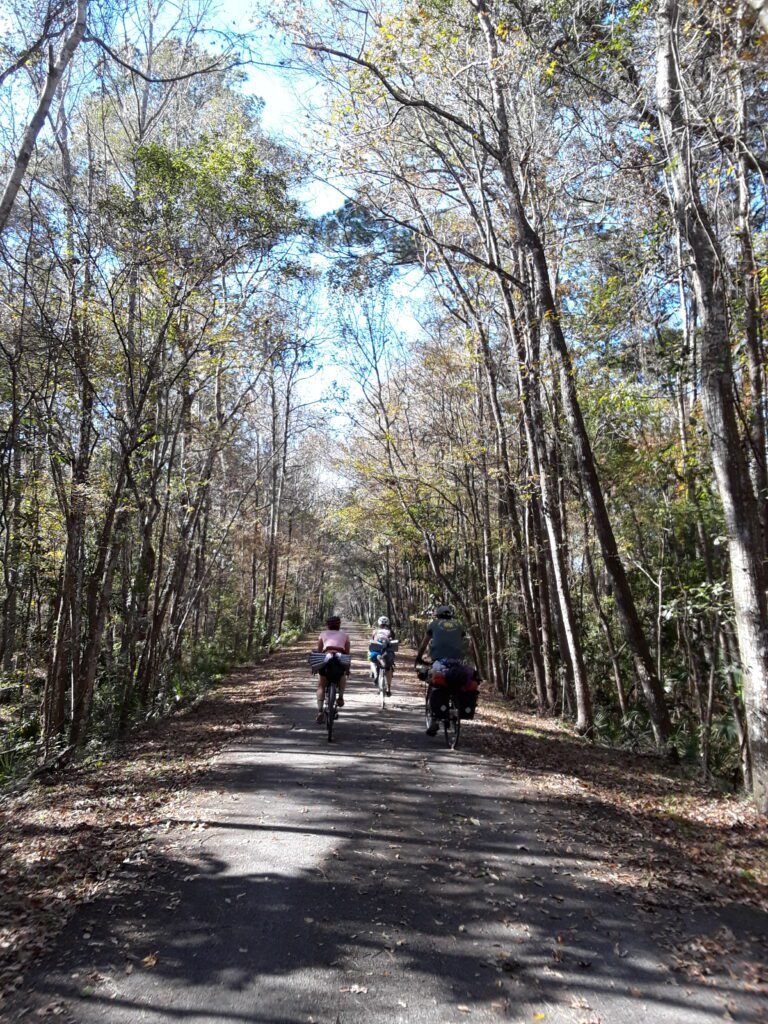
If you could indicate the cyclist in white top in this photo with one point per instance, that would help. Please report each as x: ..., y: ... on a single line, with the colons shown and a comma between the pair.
x: 382, y: 634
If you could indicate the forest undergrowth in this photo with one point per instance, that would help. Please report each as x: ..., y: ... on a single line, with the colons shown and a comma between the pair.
x: 85, y: 832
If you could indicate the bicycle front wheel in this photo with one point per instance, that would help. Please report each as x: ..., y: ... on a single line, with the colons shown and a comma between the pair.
x: 330, y: 711
x: 452, y: 725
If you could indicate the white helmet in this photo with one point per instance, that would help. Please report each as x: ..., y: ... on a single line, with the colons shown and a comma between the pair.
x: 383, y: 621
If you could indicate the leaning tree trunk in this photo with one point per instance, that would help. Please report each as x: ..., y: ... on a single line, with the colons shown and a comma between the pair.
x: 56, y: 69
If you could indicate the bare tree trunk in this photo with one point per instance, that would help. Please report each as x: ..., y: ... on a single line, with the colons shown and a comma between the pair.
x: 745, y: 542
x: 532, y: 247
x: 56, y: 69
x: 604, y: 625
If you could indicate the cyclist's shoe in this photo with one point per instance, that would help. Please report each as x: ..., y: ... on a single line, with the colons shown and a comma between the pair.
x: 340, y: 702
x: 432, y: 726
x: 320, y: 717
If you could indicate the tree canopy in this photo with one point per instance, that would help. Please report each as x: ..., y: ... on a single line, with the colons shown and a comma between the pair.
x: 545, y: 299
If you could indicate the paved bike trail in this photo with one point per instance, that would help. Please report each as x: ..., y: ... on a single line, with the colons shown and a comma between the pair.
x: 380, y: 878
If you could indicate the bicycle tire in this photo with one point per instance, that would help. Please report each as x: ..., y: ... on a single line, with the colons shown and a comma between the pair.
x: 381, y: 683
x: 452, y: 725
x: 330, y: 713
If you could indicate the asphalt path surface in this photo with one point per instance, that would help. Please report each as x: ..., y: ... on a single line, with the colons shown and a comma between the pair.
x: 380, y: 878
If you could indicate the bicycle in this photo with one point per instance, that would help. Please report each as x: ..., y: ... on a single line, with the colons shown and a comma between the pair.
x: 447, y: 714
x: 383, y: 661
x: 335, y: 667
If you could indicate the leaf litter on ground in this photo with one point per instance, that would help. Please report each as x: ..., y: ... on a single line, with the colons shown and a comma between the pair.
x: 84, y: 833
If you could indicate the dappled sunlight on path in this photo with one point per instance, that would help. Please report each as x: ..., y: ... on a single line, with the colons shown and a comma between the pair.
x: 378, y: 878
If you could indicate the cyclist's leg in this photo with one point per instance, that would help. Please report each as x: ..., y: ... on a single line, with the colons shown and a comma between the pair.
x: 342, y: 687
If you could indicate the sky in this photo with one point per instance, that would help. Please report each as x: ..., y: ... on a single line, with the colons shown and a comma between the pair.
x: 287, y: 97
x: 293, y: 105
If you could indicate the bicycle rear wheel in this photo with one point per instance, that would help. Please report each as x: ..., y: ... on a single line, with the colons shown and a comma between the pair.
x: 381, y: 683
x: 431, y: 720
x: 330, y: 709
x: 452, y: 725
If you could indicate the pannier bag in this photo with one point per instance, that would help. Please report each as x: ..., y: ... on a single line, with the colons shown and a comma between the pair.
x: 460, y: 678
x: 438, y: 702
x: 466, y: 701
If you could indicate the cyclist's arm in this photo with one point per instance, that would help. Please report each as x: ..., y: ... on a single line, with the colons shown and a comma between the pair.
x: 423, y: 645
x: 320, y: 647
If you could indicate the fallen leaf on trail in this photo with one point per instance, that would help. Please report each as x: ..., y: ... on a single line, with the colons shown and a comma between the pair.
x: 463, y: 1009
x: 580, y: 1003
x: 150, y: 960
x: 619, y: 951
x: 509, y: 965
x: 539, y: 1016
x: 54, y: 1009
x: 129, y: 968
x: 475, y: 821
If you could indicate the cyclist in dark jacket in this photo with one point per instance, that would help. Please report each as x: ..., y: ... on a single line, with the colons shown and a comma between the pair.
x: 445, y: 637
x: 447, y: 642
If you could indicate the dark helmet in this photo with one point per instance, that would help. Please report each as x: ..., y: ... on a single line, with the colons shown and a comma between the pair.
x: 443, y: 611
x: 334, y: 622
